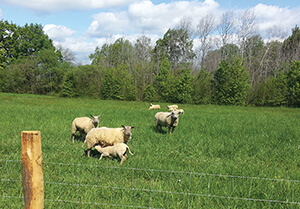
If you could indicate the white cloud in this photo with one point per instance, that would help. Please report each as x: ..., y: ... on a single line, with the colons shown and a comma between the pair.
x: 66, y: 5
x: 144, y: 16
x: 269, y: 16
x: 58, y: 32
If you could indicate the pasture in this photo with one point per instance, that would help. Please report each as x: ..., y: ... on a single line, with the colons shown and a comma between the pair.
x: 217, y: 157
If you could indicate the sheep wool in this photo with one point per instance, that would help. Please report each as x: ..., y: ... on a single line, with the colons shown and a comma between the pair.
x: 167, y: 119
x: 84, y: 125
x: 118, y: 150
x: 104, y: 136
x: 154, y: 107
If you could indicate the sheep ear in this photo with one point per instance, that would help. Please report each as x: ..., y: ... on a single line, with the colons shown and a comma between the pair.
x: 123, y: 126
x: 132, y: 126
x: 92, y: 116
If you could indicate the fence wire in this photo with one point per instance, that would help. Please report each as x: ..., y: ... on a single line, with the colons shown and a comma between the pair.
x: 123, y: 187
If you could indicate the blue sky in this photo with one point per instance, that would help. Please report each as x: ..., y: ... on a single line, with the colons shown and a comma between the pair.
x: 82, y: 25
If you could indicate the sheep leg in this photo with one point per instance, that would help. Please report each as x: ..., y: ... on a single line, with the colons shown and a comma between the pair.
x: 101, y: 156
x: 123, y: 158
x: 130, y: 151
x: 88, y: 152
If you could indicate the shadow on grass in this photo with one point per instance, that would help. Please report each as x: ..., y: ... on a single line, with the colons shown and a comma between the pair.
x: 162, y: 131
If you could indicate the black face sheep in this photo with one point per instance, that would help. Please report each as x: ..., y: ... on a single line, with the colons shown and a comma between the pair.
x: 118, y: 150
x: 166, y: 119
x: 84, y: 125
x: 104, y: 136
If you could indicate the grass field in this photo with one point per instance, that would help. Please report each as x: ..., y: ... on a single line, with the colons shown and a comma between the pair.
x: 217, y: 157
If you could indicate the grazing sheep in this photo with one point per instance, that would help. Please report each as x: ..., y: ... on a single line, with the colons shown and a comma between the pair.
x: 84, y: 125
x: 104, y: 136
x: 154, y: 107
x: 166, y: 119
x: 175, y: 107
x: 180, y: 111
x: 118, y: 150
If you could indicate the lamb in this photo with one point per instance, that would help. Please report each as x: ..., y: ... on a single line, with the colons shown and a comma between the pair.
x: 104, y: 136
x: 166, y: 119
x: 84, y: 125
x: 154, y: 107
x: 118, y: 150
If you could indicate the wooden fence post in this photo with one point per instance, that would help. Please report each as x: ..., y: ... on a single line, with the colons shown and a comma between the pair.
x: 32, y: 170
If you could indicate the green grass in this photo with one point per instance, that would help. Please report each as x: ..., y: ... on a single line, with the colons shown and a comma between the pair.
x: 168, y: 170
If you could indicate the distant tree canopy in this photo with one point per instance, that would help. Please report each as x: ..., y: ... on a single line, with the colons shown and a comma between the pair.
x: 251, y: 72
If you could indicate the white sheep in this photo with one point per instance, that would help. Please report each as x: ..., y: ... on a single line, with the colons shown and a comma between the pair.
x: 118, y: 150
x: 171, y: 109
x: 180, y: 111
x: 84, y: 125
x: 174, y: 107
x: 104, y: 136
x: 154, y: 107
x: 166, y: 119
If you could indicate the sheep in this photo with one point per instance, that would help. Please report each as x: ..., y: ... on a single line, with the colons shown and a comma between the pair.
x: 104, y: 136
x: 84, y: 125
x: 154, y: 107
x: 173, y: 107
x: 166, y: 119
x: 118, y: 150
x: 180, y: 111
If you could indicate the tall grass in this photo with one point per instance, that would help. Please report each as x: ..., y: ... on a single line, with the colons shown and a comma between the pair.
x: 225, y: 140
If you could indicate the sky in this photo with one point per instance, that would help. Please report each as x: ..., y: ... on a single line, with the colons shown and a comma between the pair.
x: 82, y: 25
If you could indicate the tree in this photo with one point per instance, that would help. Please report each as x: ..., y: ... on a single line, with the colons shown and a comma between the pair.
x: 118, y: 84
x: 142, y: 70
x: 113, y: 55
x: 246, y: 28
x: 205, y: 28
x: 176, y: 46
x: 291, y: 46
x: 230, y: 83
x: 293, y: 84
x: 202, y: 88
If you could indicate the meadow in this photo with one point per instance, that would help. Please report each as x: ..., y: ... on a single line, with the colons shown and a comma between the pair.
x: 217, y: 157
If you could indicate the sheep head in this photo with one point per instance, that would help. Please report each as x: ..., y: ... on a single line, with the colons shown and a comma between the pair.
x: 127, y: 132
x: 95, y: 120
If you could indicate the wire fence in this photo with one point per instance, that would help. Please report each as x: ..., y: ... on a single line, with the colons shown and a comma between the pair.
x: 87, y: 186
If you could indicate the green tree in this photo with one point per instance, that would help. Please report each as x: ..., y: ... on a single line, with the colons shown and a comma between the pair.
x: 231, y: 82
x: 176, y: 46
x: 293, y: 84
x: 182, y: 89
x: 202, y: 88
x: 68, y: 88
x: 291, y: 46
x: 113, y: 55
x: 270, y: 92
x: 118, y: 84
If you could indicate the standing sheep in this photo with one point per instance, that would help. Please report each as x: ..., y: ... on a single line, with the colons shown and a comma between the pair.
x: 104, y: 136
x: 154, y: 107
x: 166, y: 119
x: 84, y: 125
x: 118, y: 150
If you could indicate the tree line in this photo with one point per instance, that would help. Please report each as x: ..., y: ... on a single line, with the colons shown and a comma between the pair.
x: 246, y: 71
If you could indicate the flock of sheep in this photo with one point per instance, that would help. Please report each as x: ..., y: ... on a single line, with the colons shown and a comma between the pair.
x: 111, y: 142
